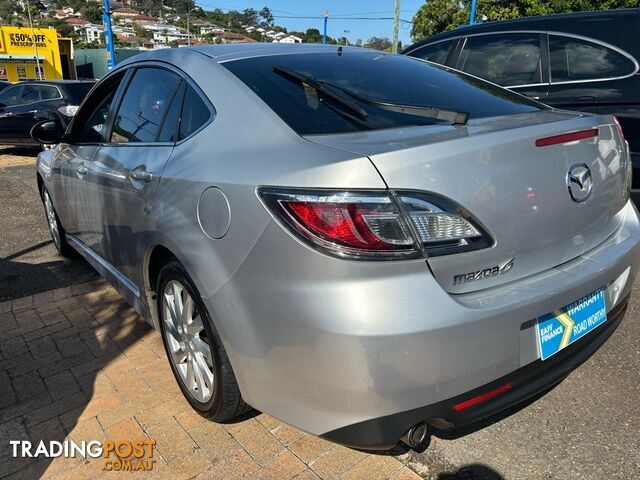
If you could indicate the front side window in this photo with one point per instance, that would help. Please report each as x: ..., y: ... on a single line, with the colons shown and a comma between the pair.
x: 577, y: 59
x: 30, y: 94
x: 507, y: 59
x: 89, y: 123
x: 376, y: 77
x: 436, y: 53
x: 144, y: 105
x: 9, y: 97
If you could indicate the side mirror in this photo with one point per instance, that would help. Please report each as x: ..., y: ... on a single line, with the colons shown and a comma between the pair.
x: 47, y: 132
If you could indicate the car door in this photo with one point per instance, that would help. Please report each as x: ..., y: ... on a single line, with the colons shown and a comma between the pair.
x: 9, y: 99
x: 126, y: 170
x: 73, y: 197
x: 587, y: 74
x: 24, y: 113
x: 513, y: 60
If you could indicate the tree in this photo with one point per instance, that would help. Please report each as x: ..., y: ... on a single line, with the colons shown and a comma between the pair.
x: 437, y: 16
x: 379, y: 43
x: 92, y: 13
x: 266, y: 16
x: 250, y: 17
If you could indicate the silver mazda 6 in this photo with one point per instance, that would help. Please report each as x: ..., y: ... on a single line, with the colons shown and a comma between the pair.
x: 364, y: 245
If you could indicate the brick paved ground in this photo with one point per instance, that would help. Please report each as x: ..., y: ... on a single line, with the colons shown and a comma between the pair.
x: 78, y: 363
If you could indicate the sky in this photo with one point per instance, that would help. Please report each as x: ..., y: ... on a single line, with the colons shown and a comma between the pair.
x: 338, y: 10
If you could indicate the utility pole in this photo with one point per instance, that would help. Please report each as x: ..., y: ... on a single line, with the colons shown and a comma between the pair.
x: 472, y: 16
x: 396, y: 20
x: 108, y: 36
x: 35, y: 44
x: 189, y: 31
x: 324, y: 35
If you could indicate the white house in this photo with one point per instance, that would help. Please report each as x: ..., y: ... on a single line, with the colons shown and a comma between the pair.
x: 164, y: 33
x: 124, y: 31
x: 92, y: 33
x: 288, y: 39
x: 207, y: 29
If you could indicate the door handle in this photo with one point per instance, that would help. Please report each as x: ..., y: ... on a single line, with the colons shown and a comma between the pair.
x: 7, y: 114
x: 140, y: 175
x: 33, y: 111
x: 82, y: 170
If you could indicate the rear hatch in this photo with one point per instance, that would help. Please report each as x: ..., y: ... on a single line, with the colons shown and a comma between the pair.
x: 518, y: 191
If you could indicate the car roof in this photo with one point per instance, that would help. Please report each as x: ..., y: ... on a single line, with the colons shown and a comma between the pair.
x: 237, y: 51
x: 579, y: 23
x: 55, y: 82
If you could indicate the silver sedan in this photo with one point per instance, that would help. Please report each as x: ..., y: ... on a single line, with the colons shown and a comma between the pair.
x: 361, y: 244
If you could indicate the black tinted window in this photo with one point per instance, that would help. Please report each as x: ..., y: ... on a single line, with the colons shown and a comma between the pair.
x: 169, y: 130
x: 77, y: 91
x: 376, y: 76
x: 575, y: 59
x: 93, y: 129
x: 436, y: 53
x: 144, y: 105
x: 194, y: 113
x: 48, y: 92
x: 30, y: 93
x: 506, y: 59
x: 9, y: 96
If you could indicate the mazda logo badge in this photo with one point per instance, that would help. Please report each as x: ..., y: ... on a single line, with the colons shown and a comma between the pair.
x: 579, y: 182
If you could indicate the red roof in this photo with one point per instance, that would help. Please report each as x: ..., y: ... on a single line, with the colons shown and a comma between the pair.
x: 75, y: 21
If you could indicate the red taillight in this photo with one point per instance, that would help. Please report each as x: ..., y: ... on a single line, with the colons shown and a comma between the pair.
x: 342, y: 223
x: 483, y: 397
x: 567, y: 137
x: 375, y: 224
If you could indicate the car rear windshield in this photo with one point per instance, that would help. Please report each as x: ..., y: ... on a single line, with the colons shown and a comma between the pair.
x: 374, y: 76
x: 77, y: 91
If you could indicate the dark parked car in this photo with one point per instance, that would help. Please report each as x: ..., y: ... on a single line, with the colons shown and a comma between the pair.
x: 582, y: 61
x: 4, y: 84
x: 27, y: 103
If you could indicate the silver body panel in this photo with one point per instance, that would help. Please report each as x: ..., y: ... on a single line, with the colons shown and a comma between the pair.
x: 322, y: 342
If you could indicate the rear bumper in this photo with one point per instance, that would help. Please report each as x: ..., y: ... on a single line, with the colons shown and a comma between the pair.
x: 528, y: 381
x: 329, y: 345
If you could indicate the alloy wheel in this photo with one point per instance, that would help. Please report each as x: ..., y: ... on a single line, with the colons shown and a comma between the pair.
x: 190, y: 349
x: 52, y: 219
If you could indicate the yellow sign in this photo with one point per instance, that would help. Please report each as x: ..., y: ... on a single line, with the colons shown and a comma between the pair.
x: 22, y: 47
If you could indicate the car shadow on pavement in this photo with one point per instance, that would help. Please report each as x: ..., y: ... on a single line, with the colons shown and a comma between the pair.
x: 75, y: 365
x: 20, y: 276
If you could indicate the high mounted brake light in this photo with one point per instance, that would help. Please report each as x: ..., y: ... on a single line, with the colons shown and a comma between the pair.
x: 377, y: 225
x: 567, y: 137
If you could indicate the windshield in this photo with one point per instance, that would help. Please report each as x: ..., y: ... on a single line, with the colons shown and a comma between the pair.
x: 375, y: 76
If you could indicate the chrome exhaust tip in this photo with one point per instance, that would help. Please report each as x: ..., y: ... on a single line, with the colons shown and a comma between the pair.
x: 416, y: 435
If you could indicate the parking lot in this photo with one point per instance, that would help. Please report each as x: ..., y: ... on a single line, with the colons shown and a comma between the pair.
x: 76, y: 362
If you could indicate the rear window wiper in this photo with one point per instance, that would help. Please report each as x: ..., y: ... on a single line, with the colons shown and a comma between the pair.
x: 324, y: 89
x: 456, y: 118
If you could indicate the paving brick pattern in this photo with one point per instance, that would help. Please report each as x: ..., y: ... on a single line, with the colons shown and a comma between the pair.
x: 77, y: 363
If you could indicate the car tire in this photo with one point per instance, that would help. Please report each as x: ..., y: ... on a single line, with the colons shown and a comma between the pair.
x: 186, y: 335
x: 55, y: 227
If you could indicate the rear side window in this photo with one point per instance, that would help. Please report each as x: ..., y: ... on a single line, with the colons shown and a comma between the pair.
x: 49, y: 93
x: 30, y: 93
x: 194, y: 113
x: 377, y: 76
x: 506, y: 59
x: 436, y: 53
x: 144, y: 105
x: 77, y: 91
x: 577, y: 59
